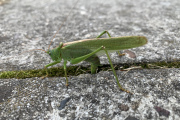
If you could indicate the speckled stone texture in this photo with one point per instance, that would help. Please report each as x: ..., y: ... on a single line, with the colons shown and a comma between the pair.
x: 29, y: 24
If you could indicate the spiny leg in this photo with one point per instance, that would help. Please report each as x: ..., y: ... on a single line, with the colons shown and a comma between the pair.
x: 82, y: 58
x: 115, y: 72
x: 111, y: 61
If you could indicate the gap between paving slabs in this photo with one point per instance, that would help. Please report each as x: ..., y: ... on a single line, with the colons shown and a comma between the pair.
x: 77, y: 70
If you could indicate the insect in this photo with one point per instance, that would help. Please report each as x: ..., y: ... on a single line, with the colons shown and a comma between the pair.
x: 89, y: 49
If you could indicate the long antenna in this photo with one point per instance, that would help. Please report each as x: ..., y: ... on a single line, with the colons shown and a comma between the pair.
x: 63, y: 23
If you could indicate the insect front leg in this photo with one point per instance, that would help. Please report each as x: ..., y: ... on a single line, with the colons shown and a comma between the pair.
x: 50, y: 64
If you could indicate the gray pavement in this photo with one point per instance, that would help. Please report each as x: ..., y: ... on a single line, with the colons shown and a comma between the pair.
x: 28, y: 24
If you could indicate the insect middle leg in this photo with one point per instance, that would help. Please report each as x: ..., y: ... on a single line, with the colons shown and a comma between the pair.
x: 48, y: 65
x: 65, y: 72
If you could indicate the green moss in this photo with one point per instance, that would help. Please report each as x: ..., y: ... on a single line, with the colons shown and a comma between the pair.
x: 76, y: 70
x: 52, y: 72
x: 163, y: 64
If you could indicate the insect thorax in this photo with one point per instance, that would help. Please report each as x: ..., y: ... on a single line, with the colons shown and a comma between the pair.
x: 55, y: 53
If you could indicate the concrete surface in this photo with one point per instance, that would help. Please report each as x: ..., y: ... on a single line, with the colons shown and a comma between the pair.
x: 28, y: 24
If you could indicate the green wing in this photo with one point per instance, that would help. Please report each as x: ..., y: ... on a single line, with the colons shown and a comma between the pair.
x: 111, y: 44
